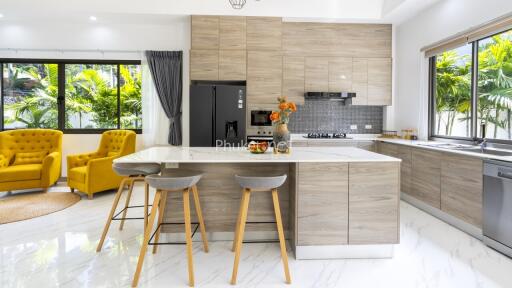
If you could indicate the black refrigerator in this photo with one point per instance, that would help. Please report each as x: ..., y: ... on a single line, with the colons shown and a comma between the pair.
x: 217, y: 114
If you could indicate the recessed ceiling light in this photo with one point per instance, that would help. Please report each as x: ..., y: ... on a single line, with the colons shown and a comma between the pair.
x: 1, y: 15
x: 93, y: 18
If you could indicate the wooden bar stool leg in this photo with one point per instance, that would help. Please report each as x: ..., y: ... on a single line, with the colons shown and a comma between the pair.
x: 147, y: 234
x: 127, y: 202
x: 199, y: 213
x: 240, y: 235
x: 188, y: 236
x: 282, y: 243
x: 161, y: 211
x: 146, y: 201
x: 237, y: 228
x: 111, y: 214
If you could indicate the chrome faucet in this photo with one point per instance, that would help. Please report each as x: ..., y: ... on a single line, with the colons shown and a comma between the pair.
x: 483, y: 144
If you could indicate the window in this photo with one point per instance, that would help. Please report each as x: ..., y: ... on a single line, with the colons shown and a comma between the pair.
x: 471, y: 90
x: 74, y: 96
x: 452, y: 101
x: 495, y: 86
x: 29, y: 95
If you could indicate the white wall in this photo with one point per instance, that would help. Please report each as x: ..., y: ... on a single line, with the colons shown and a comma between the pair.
x: 441, y: 20
x: 171, y: 33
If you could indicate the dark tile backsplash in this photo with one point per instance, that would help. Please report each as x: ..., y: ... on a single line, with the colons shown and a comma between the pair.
x: 331, y: 116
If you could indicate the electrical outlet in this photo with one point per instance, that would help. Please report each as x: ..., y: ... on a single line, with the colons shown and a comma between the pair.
x: 367, y: 126
x: 353, y: 127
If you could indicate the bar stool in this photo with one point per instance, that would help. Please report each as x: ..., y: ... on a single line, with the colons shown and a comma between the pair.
x: 250, y: 184
x: 132, y: 173
x: 173, y: 181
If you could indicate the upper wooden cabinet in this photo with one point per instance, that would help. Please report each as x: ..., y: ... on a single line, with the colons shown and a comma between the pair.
x: 360, y: 81
x: 293, y: 78
x: 204, y: 64
x: 317, y: 74
x: 232, y: 32
x: 205, y: 32
x: 379, y: 81
x: 264, y: 33
x: 340, y: 74
x: 264, y: 76
x: 232, y: 65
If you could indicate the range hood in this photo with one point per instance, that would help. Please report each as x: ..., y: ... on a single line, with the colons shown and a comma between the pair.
x: 331, y: 96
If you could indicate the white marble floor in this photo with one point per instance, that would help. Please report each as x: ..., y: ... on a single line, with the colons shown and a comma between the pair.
x: 58, y: 250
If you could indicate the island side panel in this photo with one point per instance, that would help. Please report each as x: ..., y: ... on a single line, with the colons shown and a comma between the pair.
x: 292, y: 227
x: 322, y: 204
x: 374, y: 189
x: 220, y: 196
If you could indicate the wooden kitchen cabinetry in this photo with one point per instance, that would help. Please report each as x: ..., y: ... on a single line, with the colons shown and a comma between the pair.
x: 447, y: 181
x: 379, y: 81
x: 317, y: 74
x: 205, y: 32
x: 322, y: 204
x: 360, y: 81
x: 232, y: 33
x: 293, y: 78
x: 264, y: 33
x: 232, y: 65
x: 373, y: 214
x: 462, y: 187
x: 264, y: 76
x: 340, y: 74
x: 426, y: 176
x: 204, y: 64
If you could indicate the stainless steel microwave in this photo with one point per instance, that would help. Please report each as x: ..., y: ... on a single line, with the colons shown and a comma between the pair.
x: 261, y: 118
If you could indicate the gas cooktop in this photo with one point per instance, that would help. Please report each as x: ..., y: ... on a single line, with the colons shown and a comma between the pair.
x: 327, y: 136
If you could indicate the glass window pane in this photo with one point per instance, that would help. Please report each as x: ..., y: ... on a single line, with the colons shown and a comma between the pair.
x: 452, y: 106
x: 495, y: 86
x: 30, y: 95
x: 91, y: 96
x: 131, y: 106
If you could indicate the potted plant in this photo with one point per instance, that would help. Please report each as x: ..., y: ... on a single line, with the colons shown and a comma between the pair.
x: 280, y: 120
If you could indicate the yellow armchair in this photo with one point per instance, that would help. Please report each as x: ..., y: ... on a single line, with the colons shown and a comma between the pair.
x: 92, y: 172
x: 30, y: 158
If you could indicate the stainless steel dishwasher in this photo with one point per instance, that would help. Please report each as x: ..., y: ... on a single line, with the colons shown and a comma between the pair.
x: 497, y: 205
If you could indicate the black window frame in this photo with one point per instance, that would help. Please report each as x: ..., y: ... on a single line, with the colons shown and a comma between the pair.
x: 61, y: 99
x: 474, y: 99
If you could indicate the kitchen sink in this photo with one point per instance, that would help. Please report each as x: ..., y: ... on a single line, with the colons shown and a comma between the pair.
x: 486, y: 151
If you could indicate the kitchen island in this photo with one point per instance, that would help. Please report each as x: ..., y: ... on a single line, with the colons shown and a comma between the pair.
x: 338, y: 202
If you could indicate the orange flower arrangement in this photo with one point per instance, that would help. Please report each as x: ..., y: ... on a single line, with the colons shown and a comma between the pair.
x: 285, y: 109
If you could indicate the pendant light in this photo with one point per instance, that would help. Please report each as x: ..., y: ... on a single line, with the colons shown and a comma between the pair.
x: 237, y: 4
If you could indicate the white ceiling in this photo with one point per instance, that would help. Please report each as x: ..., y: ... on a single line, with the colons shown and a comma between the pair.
x: 379, y: 11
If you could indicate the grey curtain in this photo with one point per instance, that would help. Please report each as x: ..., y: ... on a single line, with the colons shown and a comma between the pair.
x: 166, y: 70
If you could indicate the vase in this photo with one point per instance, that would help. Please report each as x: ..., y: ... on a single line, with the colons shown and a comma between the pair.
x: 281, y: 139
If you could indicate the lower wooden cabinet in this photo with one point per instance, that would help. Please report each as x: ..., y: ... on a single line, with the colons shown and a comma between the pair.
x: 462, y: 187
x: 322, y: 204
x: 426, y: 176
x: 373, y: 205
x: 447, y: 181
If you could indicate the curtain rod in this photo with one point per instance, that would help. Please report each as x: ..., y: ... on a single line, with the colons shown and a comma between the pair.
x: 68, y: 50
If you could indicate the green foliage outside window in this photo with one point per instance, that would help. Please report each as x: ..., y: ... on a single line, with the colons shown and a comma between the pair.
x: 91, y: 96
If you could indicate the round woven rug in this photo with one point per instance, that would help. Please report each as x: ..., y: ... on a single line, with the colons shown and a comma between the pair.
x: 32, y: 205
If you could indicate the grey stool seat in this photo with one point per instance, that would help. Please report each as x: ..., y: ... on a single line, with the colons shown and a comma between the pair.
x: 136, y: 169
x: 260, y: 183
x: 174, y: 179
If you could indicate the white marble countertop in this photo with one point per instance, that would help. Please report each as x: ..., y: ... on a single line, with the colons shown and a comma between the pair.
x: 351, y: 137
x: 173, y: 154
x: 437, y: 146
